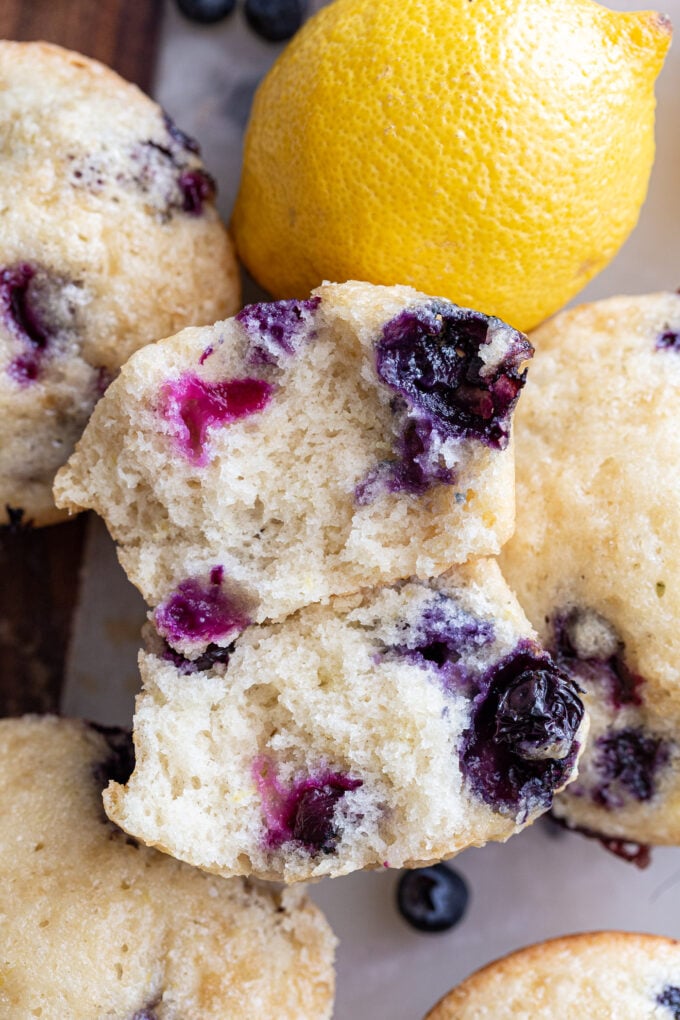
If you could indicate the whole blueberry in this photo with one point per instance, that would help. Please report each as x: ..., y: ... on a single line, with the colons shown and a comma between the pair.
x: 670, y: 998
x: 275, y: 20
x: 432, y: 899
x: 206, y: 12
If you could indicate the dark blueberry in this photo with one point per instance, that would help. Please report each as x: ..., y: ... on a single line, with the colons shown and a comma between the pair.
x: 538, y: 714
x: 196, y: 612
x: 194, y: 406
x: 275, y: 327
x: 275, y: 20
x: 147, y: 1013
x: 206, y: 12
x: 669, y: 340
x: 197, y: 187
x: 212, y: 656
x: 526, y: 709
x: 627, y: 762
x: 609, y: 670
x: 670, y: 998
x: 16, y: 522
x: 304, y: 814
x: 417, y: 468
x: 180, y: 137
x: 119, y: 764
x: 432, y: 899
x: 431, y: 355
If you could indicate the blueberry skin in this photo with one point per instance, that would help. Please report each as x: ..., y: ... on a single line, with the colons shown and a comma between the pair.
x: 206, y: 12
x: 275, y: 20
x: 432, y: 899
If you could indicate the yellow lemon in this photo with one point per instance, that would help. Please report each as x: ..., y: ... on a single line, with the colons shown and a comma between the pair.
x: 495, y: 152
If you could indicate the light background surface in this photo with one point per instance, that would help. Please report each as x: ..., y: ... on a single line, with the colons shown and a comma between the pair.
x: 542, y: 883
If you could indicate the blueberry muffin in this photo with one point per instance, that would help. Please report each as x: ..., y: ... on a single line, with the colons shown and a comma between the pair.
x: 95, y: 925
x: 110, y: 239
x: 392, y: 727
x: 301, y: 450
x: 595, y: 561
x: 607, y: 975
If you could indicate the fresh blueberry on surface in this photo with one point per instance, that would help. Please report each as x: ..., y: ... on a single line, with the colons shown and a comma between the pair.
x: 670, y: 998
x: 275, y: 20
x: 432, y: 899
x: 206, y: 12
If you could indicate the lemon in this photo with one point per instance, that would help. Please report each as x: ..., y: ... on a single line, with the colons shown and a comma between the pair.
x: 495, y: 152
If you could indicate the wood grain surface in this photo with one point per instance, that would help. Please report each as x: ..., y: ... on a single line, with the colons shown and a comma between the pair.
x: 39, y: 568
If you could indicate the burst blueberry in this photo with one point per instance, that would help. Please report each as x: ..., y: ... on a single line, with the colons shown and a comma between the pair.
x: 197, y: 612
x: 432, y: 356
x: 275, y: 328
x: 520, y: 745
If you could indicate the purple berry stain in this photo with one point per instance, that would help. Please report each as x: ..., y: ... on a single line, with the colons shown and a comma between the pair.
x: 670, y: 998
x: 444, y: 635
x: 520, y: 745
x: 303, y: 813
x: 199, y: 612
x: 627, y: 762
x: 432, y: 356
x: 276, y: 327
x: 195, y: 406
x: 23, y: 320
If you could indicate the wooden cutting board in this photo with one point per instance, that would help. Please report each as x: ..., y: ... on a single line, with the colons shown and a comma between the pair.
x: 39, y: 569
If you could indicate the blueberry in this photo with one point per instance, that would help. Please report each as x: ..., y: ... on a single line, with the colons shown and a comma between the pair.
x: 607, y: 667
x: 670, y: 340
x: 538, y: 713
x: 197, y: 187
x: 432, y: 899
x: 304, y: 813
x: 627, y: 762
x: 206, y: 12
x: 670, y: 998
x: 212, y: 656
x: 432, y: 356
x: 275, y: 20
x: 520, y: 744
x: 275, y: 327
